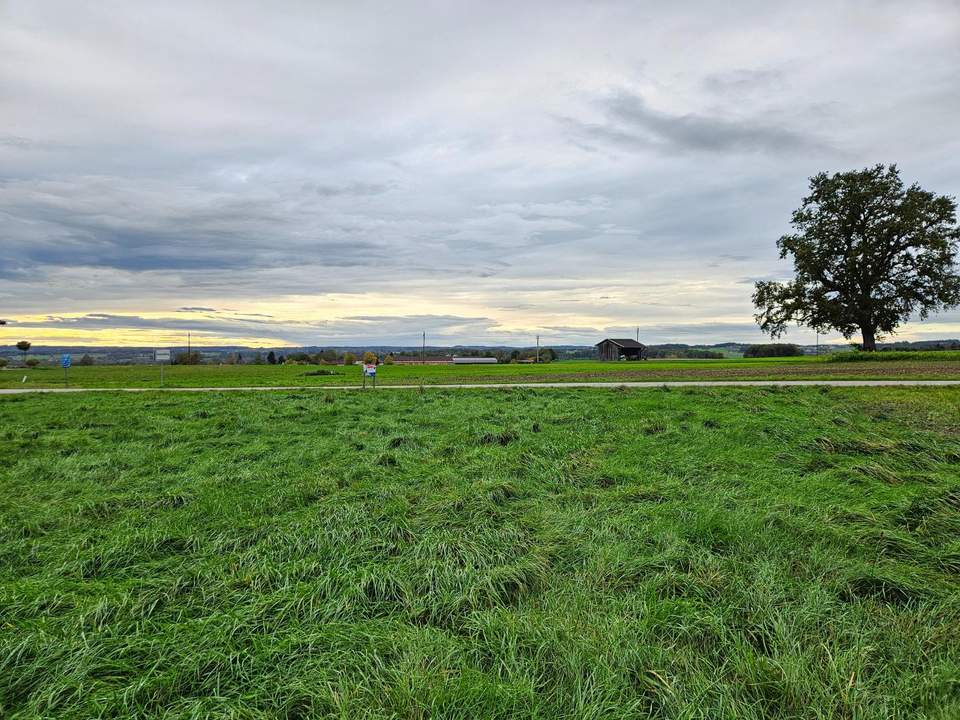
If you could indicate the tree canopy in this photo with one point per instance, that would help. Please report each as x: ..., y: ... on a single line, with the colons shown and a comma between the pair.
x: 867, y: 254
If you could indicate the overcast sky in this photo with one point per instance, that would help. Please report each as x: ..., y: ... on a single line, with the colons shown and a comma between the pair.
x: 327, y: 173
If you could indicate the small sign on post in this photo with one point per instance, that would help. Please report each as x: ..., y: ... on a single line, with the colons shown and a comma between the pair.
x: 65, y: 362
x: 162, y: 355
x: 370, y: 371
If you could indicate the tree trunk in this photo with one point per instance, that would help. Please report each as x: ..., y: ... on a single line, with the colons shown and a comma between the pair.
x: 869, y: 338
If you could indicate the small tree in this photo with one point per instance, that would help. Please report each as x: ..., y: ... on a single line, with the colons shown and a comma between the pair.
x: 24, y: 347
x: 85, y: 360
x: 349, y: 358
x: 867, y: 254
x: 388, y: 360
x: 281, y: 360
x: 31, y: 362
x: 271, y: 358
x: 370, y: 358
x: 3, y: 362
x: 190, y: 358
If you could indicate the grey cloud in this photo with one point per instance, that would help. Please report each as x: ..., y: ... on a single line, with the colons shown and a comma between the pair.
x: 690, y: 333
x: 572, y: 329
x: 24, y: 143
x: 724, y: 259
x: 357, y: 188
x: 147, y: 232
x: 744, y: 79
x: 631, y: 124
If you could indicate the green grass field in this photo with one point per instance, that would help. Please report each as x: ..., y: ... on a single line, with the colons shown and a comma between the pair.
x: 930, y: 366
x: 694, y: 553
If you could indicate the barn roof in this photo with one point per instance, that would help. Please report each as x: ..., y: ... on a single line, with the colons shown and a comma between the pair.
x: 624, y: 343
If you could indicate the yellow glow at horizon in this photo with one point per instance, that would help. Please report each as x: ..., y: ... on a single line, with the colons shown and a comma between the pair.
x: 288, y: 309
x: 128, y: 337
x: 295, y: 310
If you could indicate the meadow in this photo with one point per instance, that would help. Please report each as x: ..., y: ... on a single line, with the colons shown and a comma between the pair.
x: 528, y: 553
x: 931, y: 365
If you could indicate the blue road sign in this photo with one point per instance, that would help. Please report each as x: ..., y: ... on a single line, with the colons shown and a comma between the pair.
x: 65, y: 361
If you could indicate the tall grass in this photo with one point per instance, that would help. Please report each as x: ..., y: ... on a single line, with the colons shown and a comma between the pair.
x: 539, y: 554
x: 897, y: 356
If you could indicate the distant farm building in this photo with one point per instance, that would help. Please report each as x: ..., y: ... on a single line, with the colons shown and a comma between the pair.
x: 474, y: 361
x: 621, y: 349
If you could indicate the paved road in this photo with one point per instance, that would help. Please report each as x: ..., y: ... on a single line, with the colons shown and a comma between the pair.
x: 495, y: 386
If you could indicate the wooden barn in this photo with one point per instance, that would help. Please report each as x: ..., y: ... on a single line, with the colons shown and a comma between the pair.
x: 620, y: 349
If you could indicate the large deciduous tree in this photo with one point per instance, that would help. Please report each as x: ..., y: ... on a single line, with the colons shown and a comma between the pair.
x: 867, y: 254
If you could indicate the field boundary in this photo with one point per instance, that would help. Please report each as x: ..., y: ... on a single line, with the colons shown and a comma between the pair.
x: 505, y: 386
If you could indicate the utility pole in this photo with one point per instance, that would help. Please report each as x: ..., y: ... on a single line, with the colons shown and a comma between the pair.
x: 538, y: 348
x: 818, y: 342
x: 423, y: 348
x: 638, y: 334
x: 188, y: 346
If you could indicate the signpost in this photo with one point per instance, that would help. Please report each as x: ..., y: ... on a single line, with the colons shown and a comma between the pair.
x: 162, y: 356
x: 65, y: 363
x: 370, y: 371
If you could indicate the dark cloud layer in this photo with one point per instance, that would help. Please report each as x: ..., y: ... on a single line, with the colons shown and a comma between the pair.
x: 635, y: 125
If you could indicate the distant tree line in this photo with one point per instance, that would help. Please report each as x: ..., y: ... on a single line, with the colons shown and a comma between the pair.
x: 503, y: 355
x: 922, y: 346
x: 324, y: 357
x: 773, y: 350
x: 683, y: 353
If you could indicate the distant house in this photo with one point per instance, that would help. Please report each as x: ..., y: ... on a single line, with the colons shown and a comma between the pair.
x: 620, y: 349
x: 474, y: 360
